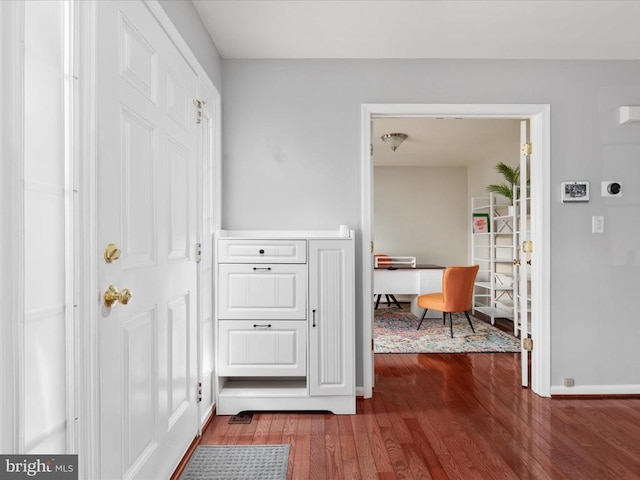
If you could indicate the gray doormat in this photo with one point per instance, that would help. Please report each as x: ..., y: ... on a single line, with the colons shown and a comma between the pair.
x: 237, y: 462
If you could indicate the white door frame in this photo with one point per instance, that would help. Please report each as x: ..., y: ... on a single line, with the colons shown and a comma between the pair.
x: 87, y: 254
x: 11, y: 226
x: 540, y: 117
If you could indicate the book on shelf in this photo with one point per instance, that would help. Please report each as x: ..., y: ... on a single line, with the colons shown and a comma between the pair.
x: 481, y: 223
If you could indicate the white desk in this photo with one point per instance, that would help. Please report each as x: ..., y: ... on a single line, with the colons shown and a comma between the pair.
x: 409, y: 281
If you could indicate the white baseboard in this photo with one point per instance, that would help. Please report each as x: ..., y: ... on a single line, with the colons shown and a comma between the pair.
x: 359, y: 391
x: 596, y: 390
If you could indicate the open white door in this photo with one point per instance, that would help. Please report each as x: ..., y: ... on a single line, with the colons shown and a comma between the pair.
x: 368, y: 365
x: 523, y: 254
x: 147, y: 187
x: 209, y: 215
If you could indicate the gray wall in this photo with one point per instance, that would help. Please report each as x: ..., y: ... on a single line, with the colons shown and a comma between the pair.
x: 291, y: 160
x: 186, y: 19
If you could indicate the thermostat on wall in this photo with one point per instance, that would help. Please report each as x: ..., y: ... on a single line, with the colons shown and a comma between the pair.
x: 575, y: 191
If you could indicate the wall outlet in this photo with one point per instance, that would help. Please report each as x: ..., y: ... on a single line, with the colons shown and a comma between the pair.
x: 569, y: 382
x: 611, y: 188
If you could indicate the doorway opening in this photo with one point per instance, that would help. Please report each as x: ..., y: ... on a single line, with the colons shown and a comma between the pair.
x: 539, y: 121
x: 423, y: 195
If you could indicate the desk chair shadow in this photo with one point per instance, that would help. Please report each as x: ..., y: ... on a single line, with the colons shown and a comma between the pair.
x: 456, y: 295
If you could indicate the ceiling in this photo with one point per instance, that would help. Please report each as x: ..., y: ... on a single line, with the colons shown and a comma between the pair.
x: 447, y: 142
x: 426, y: 29
x: 411, y: 29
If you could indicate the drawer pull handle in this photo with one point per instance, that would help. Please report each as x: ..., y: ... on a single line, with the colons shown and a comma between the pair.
x: 261, y: 251
x: 261, y: 269
x: 256, y: 325
x: 313, y: 315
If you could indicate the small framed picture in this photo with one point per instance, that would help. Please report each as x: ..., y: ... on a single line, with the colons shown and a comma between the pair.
x: 481, y: 223
x: 577, y: 191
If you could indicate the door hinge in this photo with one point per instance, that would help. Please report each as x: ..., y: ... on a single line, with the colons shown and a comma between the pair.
x: 199, y: 104
x: 198, y: 252
x: 371, y: 247
x: 199, y: 391
x: 371, y: 150
x: 527, y: 148
x: 527, y: 344
x: 372, y: 344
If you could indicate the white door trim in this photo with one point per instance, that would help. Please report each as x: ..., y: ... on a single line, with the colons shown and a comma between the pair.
x: 540, y: 116
x: 70, y: 165
x: 88, y: 378
x: 87, y: 254
x: 540, y: 162
x: 12, y: 227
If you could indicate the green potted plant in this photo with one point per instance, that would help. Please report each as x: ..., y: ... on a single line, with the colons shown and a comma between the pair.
x: 512, y: 178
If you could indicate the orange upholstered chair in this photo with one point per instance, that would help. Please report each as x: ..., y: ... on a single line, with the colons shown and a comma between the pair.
x: 456, y: 295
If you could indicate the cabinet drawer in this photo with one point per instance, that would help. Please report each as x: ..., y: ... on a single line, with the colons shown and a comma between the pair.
x: 258, y: 349
x: 262, y: 251
x: 262, y: 291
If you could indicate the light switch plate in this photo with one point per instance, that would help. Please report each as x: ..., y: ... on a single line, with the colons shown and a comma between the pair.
x: 597, y: 224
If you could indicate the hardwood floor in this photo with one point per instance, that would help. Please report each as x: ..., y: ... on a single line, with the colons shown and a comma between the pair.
x: 455, y: 416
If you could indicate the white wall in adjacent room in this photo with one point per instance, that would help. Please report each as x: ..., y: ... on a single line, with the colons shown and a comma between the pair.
x: 421, y: 212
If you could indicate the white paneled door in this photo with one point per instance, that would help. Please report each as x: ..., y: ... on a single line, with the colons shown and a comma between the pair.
x: 147, y: 147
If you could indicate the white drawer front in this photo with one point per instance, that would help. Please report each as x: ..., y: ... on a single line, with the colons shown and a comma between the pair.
x: 400, y: 281
x: 262, y: 251
x: 262, y: 291
x: 252, y: 348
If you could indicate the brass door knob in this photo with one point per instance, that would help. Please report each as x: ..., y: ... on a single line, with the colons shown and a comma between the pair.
x: 111, y: 296
x: 111, y: 253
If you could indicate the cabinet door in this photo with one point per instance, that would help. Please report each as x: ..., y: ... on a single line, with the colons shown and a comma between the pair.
x: 331, y: 317
x: 262, y: 291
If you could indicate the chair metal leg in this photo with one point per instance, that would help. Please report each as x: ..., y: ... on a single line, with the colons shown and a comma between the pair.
x: 469, y: 320
x: 444, y: 318
x: 394, y: 300
x: 388, y: 301
x: 378, y: 301
x: 422, y: 319
x: 451, y: 324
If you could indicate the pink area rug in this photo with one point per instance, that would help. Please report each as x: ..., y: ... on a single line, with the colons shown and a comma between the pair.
x: 395, y: 332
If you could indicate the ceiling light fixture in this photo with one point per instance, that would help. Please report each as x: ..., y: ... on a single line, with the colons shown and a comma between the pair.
x: 394, y: 139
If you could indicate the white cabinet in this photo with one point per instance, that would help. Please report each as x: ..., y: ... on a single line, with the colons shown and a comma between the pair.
x: 285, y: 321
